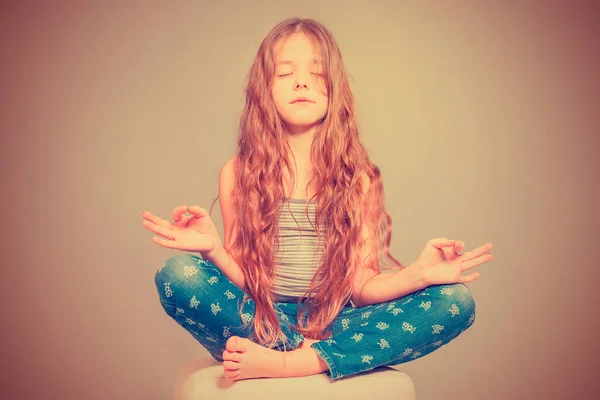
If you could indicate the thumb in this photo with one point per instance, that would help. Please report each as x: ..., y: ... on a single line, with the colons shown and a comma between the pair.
x: 198, y: 211
x: 441, y: 242
x: 459, y: 247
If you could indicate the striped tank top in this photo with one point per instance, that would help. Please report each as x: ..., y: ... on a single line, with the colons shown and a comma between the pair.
x: 297, y: 258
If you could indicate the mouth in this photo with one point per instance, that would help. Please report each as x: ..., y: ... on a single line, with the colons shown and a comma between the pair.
x: 302, y: 99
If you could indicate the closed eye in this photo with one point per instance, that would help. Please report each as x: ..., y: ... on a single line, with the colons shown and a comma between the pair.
x: 313, y: 73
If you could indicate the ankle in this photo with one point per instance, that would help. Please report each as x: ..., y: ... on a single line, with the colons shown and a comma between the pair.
x: 283, y: 362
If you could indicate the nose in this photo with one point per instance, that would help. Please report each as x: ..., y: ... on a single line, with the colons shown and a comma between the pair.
x: 301, y: 81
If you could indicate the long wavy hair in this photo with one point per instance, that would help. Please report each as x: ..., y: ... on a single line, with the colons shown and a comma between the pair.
x: 340, y: 168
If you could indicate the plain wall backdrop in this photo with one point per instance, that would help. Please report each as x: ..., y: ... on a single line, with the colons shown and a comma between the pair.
x: 481, y: 116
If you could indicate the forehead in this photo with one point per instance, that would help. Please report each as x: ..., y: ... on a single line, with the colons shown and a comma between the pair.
x: 297, y: 48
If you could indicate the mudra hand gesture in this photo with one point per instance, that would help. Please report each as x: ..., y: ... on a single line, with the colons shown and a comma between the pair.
x: 195, y: 233
x: 442, y: 263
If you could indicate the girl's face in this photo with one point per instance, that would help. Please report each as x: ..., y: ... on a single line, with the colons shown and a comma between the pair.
x: 298, y: 73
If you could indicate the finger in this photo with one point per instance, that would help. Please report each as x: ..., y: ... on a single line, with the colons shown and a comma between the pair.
x: 198, y: 211
x: 156, y: 220
x: 166, y: 232
x: 449, y: 253
x: 447, y: 246
x: 469, y: 278
x: 147, y: 214
x: 478, y: 251
x: 476, y: 261
x: 484, y: 248
x: 169, y: 244
x: 441, y: 242
x: 459, y: 246
x: 179, y: 211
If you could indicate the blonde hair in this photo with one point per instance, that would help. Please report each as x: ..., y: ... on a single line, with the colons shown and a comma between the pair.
x: 340, y: 164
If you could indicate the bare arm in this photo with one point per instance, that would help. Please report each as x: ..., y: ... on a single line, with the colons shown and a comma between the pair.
x: 385, y: 287
x: 371, y: 286
x: 229, y: 267
x: 220, y: 257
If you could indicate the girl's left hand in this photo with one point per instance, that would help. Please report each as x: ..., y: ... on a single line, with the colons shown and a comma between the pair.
x: 442, y: 262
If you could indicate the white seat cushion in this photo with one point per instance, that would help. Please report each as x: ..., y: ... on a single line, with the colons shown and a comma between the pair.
x: 201, y: 380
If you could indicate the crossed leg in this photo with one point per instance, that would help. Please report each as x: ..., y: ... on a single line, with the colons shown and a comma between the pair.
x: 201, y: 299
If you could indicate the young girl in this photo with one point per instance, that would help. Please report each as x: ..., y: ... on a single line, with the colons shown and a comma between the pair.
x: 296, y: 288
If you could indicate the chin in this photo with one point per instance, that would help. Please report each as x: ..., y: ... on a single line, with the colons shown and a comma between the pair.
x: 302, y: 123
x: 303, y: 120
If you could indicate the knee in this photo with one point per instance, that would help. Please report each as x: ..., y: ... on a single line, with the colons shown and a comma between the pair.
x: 181, y: 271
x: 458, y: 301
x: 462, y: 297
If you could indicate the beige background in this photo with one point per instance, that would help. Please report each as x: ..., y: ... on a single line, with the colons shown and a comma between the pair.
x: 481, y: 117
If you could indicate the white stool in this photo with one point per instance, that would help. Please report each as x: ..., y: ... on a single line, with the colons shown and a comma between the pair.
x: 203, y: 379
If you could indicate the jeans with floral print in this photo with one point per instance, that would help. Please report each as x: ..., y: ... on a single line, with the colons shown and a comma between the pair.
x: 200, y: 298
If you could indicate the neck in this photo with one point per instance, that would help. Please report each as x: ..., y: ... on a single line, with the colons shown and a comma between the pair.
x: 300, y: 140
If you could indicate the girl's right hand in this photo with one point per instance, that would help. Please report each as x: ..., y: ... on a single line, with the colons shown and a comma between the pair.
x: 189, y: 233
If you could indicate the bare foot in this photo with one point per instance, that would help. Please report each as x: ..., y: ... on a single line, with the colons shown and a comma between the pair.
x: 244, y: 359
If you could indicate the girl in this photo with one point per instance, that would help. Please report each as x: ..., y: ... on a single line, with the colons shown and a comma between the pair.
x: 296, y: 286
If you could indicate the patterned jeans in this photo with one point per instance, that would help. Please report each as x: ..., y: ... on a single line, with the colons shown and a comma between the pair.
x: 200, y: 298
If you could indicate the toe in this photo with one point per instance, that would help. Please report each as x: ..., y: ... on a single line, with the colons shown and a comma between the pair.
x: 236, y: 343
x: 232, y: 356
x: 231, y: 375
x: 232, y: 344
x: 231, y: 365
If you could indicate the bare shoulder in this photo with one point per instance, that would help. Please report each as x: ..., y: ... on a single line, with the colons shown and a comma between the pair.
x: 229, y: 167
x: 366, y: 182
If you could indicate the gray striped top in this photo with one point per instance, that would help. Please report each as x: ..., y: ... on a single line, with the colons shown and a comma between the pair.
x: 297, y: 258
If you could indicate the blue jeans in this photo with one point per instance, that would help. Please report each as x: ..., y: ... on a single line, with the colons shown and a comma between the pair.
x: 200, y: 298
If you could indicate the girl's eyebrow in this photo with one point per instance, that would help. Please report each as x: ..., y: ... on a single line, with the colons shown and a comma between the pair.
x: 314, y: 61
